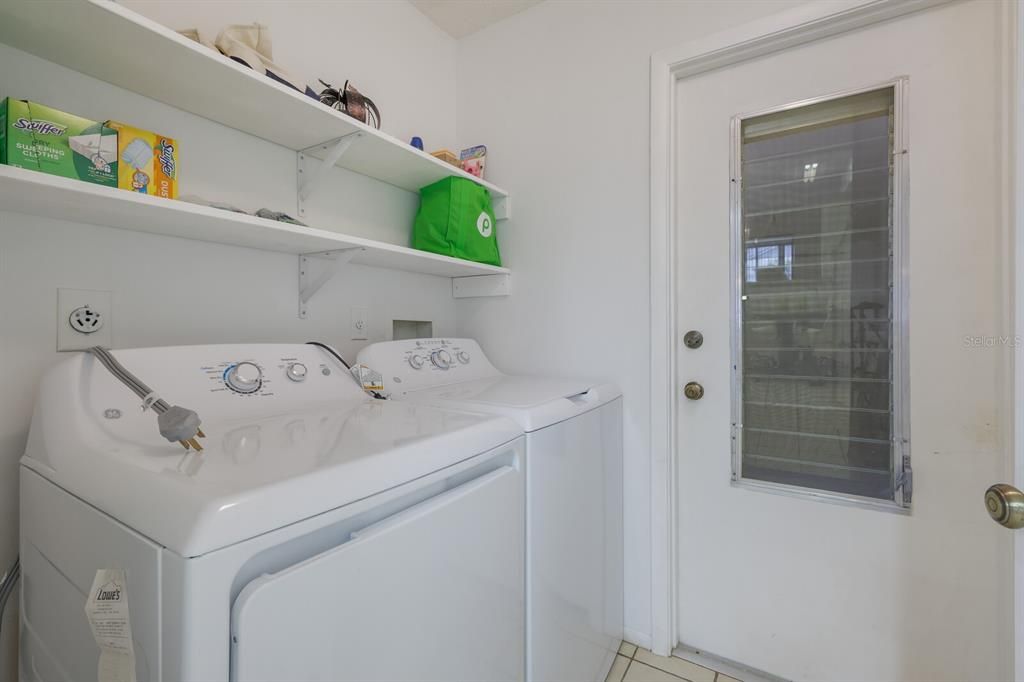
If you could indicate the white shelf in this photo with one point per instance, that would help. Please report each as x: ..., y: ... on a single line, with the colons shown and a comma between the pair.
x: 116, y: 45
x: 34, y: 193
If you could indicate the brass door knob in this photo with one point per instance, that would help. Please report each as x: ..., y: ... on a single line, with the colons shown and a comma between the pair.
x: 1005, y: 504
x: 693, y: 391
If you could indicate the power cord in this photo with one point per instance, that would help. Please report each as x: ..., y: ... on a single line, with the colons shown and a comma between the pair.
x: 176, y: 423
x: 332, y: 352
x: 340, y: 359
x: 7, y: 583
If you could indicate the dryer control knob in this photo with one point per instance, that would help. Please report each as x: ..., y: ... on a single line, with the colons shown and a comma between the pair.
x: 442, y: 359
x: 245, y: 377
x: 416, y: 361
x: 297, y: 371
x: 463, y: 357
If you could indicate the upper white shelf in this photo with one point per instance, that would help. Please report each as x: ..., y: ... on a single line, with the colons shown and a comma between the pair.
x: 119, y: 46
x: 34, y: 193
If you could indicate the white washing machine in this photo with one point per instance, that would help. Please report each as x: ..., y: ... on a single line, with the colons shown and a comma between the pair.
x: 321, y: 534
x: 574, y: 595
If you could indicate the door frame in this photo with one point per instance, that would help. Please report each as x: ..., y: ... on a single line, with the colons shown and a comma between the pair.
x: 804, y: 24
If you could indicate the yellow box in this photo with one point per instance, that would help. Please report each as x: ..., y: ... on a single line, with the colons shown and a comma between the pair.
x: 147, y: 162
x: 447, y: 156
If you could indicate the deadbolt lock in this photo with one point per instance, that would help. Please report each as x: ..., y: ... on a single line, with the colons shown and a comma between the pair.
x: 693, y: 339
x: 1005, y: 504
x: 693, y: 391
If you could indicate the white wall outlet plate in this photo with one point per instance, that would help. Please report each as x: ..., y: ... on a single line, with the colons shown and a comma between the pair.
x: 84, y: 319
x: 360, y: 324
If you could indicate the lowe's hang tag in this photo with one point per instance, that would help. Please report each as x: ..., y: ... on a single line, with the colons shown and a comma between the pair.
x: 107, y: 611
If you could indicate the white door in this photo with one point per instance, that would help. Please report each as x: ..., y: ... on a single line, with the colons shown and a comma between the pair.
x: 800, y: 551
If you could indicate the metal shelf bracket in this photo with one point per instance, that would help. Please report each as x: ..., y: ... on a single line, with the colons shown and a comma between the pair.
x: 309, y: 178
x: 317, y: 269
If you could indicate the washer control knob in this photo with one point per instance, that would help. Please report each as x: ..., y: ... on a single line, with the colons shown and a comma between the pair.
x: 442, y: 359
x: 463, y: 357
x: 296, y: 371
x: 245, y: 377
x: 416, y: 361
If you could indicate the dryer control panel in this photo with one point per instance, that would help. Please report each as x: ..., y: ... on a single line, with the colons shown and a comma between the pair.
x: 421, y: 363
x: 217, y: 381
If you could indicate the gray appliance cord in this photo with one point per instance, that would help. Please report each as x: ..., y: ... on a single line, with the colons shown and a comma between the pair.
x: 176, y: 423
x: 7, y: 583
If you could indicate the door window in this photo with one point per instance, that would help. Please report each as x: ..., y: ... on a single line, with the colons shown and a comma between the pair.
x: 818, y: 351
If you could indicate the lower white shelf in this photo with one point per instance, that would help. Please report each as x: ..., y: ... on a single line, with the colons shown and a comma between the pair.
x: 34, y: 193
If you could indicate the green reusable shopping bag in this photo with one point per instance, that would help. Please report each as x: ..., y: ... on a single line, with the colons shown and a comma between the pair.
x: 456, y: 219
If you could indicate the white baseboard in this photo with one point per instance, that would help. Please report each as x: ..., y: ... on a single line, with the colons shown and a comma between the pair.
x: 641, y: 639
x: 724, y: 665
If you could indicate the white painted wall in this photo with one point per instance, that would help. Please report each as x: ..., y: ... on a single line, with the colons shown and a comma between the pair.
x: 220, y: 293
x: 560, y: 94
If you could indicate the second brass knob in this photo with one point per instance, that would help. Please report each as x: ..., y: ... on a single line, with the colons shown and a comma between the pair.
x: 1005, y: 504
x: 693, y: 391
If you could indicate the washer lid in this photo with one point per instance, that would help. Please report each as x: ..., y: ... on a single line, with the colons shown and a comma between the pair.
x: 533, y: 402
x: 255, y: 475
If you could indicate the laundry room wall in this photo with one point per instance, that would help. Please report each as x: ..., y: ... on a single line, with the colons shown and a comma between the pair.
x: 169, y: 291
x: 560, y: 95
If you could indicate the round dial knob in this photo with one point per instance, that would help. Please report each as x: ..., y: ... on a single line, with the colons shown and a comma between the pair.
x: 416, y: 361
x: 442, y: 359
x: 245, y: 377
x: 296, y: 371
x: 463, y: 357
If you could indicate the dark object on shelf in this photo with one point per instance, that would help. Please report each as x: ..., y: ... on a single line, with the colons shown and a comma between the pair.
x: 279, y: 216
x: 417, y: 142
x: 350, y: 101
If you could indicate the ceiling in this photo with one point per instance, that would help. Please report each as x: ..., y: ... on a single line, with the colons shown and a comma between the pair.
x: 459, y: 18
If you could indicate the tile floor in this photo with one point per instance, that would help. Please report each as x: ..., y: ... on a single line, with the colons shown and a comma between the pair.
x: 634, y: 664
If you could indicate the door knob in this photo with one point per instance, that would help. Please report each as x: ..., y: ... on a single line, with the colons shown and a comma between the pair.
x: 693, y: 339
x: 1005, y: 504
x: 693, y: 391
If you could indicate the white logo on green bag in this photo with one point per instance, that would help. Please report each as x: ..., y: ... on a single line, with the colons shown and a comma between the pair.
x: 483, y: 225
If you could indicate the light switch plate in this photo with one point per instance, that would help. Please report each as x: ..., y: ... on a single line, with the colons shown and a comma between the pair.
x: 360, y: 324
x: 70, y: 300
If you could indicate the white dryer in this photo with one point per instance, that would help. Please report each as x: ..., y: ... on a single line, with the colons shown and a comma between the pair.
x: 574, y: 595
x: 321, y: 535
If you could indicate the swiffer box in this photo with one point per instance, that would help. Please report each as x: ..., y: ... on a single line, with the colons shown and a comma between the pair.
x: 148, y: 163
x: 48, y: 140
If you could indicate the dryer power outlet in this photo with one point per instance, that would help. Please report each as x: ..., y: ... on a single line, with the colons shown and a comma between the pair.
x: 84, y: 319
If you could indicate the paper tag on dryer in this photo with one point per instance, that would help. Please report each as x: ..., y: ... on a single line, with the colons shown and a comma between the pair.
x: 107, y: 611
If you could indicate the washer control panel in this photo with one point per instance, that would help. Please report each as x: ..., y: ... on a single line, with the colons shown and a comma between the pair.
x: 419, y: 363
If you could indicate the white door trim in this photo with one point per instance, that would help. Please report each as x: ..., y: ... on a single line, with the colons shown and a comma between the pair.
x: 804, y: 24
x: 1014, y: 129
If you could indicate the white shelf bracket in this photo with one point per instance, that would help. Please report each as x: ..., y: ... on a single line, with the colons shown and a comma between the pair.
x: 475, y: 286
x: 317, y: 269
x: 309, y: 178
x: 502, y: 207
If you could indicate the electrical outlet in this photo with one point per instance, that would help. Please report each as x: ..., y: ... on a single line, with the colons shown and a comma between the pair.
x: 360, y: 324
x: 83, y: 319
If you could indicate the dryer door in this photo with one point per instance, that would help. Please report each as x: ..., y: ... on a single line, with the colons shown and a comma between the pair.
x: 434, y: 592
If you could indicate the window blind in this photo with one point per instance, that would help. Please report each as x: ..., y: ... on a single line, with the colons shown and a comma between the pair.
x: 815, y: 311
